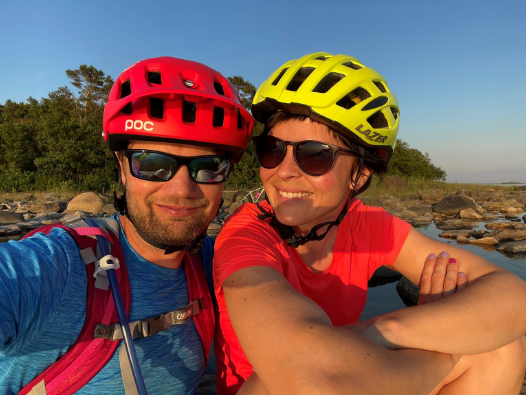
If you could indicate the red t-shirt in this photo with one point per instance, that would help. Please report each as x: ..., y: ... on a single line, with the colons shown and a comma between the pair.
x: 367, y: 238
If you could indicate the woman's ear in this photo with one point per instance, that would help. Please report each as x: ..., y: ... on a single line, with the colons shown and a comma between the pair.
x: 120, y: 159
x: 359, y: 180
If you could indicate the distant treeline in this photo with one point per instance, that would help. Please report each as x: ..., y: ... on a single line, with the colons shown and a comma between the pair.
x: 56, y: 144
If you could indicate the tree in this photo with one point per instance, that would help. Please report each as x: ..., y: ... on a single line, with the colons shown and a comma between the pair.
x: 94, y: 87
x: 246, y: 90
x: 410, y: 162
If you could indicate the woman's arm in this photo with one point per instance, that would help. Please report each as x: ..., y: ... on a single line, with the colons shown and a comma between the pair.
x: 486, y: 315
x: 294, y: 348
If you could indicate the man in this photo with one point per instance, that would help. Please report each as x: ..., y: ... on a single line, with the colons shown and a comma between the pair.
x: 176, y: 127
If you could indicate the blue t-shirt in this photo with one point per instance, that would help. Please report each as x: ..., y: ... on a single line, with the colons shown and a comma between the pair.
x: 43, y: 306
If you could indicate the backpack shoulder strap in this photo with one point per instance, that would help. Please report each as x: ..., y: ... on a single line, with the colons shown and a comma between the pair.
x: 198, y: 290
x: 88, y: 355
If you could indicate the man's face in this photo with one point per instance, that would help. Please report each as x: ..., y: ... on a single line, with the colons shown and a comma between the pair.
x: 175, y: 211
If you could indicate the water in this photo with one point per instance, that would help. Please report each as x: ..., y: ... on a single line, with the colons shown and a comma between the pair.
x: 383, y: 299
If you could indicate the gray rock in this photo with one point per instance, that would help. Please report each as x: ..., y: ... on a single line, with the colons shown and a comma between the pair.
x: 489, y: 217
x: 7, y: 230
x: 7, y: 217
x: 451, y: 224
x: 462, y: 239
x: 484, y: 240
x: 514, y: 247
x: 46, y: 208
x: 408, y: 291
x: 496, y: 206
x: 479, y: 234
x: 469, y: 213
x: 511, y: 234
x: 451, y: 205
x: 421, y: 210
x: 406, y: 214
x: 500, y: 225
x: 423, y: 218
x: 385, y: 272
x: 88, y: 202
x: 455, y: 234
x: 109, y: 209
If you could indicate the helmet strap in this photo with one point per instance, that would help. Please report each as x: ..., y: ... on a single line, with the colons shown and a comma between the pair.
x: 288, y: 234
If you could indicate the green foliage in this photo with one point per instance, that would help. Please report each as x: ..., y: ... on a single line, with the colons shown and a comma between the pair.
x: 56, y: 144
x: 409, y: 162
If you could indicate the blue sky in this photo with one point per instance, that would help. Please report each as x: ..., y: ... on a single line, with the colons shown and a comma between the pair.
x: 457, y: 67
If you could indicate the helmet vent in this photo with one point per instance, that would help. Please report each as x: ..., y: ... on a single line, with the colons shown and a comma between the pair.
x: 154, y: 77
x: 380, y: 86
x: 275, y: 82
x: 126, y: 91
x: 219, y: 116
x: 299, y: 78
x: 328, y: 82
x: 321, y: 58
x: 375, y: 103
x: 156, y: 108
x: 189, y: 111
x: 394, y: 110
x: 352, y: 65
x: 353, y: 98
x: 239, y: 119
x: 219, y: 88
x: 378, y: 120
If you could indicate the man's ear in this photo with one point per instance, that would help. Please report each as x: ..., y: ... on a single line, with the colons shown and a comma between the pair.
x: 120, y: 159
x: 359, y: 180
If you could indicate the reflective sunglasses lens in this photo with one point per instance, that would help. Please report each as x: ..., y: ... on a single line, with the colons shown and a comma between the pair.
x: 314, y: 158
x: 269, y: 150
x: 153, y: 166
x: 209, y: 170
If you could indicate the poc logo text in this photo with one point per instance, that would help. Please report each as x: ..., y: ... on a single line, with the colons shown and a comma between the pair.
x: 138, y: 125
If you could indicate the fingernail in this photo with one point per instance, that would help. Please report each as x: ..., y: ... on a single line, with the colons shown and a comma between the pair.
x: 444, y: 254
x: 431, y: 256
x: 452, y: 261
x: 462, y: 274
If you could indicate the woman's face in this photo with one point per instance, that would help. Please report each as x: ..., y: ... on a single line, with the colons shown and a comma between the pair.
x: 300, y: 200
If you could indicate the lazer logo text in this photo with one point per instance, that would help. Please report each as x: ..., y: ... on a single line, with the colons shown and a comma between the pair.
x: 138, y: 125
x: 370, y: 135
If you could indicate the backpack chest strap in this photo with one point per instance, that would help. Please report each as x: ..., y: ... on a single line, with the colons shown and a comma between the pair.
x: 150, y: 326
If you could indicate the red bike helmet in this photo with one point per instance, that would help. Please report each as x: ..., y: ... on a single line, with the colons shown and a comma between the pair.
x: 176, y: 100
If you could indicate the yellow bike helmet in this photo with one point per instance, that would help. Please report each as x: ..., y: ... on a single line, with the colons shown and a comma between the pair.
x: 338, y: 91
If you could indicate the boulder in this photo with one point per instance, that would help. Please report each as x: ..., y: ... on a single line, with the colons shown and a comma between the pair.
x: 478, y: 234
x: 469, y: 213
x: 88, y: 202
x: 496, y: 206
x: 384, y: 272
x: 484, y: 240
x: 408, y: 291
x: 423, y: 218
x: 511, y: 210
x: 452, y: 224
x: 406, y: 214
x: 513, y: 247
x: 46, y: 208
x: 462, y: 239
x: 483, y: 195
x: 421, y: 210
x: 7, y: 230
x: 451, y: 205
x: 109, y: 209
x: 8, y: 217
x: 511, y: 234
x: 455, y: 234
x: 489, y: 217
x: 500, y: 225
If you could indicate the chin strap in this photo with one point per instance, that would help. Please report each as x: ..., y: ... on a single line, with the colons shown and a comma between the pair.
x: 288, y: 234
x: 193, y: 247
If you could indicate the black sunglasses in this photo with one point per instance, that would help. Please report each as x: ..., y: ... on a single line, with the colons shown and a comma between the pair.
x: 161, y: 167
x: 312, y: 157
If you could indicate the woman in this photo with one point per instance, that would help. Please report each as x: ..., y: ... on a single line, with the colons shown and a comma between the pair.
x: 291, y: 276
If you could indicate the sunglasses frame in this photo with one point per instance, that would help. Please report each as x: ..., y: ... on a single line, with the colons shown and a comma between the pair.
x: 181, y: 160
x: 294, y: 145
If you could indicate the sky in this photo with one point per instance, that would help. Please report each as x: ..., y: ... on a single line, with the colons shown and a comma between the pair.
x: 458, y: 68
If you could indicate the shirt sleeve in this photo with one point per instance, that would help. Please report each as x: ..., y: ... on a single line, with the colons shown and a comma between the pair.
x: 33, y: 275
x: 245, y: 241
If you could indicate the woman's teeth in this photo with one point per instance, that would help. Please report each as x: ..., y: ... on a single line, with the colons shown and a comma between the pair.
x: 291, y: 195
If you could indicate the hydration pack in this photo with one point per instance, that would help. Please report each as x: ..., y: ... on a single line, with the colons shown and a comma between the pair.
x: 101, y: 333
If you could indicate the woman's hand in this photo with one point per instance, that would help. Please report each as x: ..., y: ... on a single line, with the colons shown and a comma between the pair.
x: 440, y: 278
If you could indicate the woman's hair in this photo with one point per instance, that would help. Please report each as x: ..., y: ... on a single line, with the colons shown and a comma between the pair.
x: 370, y: 160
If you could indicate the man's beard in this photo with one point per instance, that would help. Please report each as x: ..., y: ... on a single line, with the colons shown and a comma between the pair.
x: 168, y: 230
